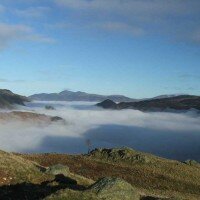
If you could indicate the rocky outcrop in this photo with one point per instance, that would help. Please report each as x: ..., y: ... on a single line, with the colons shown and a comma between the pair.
x: 192, y: 163
x: 120, y: 155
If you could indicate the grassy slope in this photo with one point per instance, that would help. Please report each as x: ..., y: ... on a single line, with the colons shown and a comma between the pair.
x: 14, y: 169
x: 159, y: 177
x: 24, y: 179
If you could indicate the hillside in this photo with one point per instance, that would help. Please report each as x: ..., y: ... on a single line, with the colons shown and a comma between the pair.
x: 28, y: 117
x: 8, y: 99
x: 78, y: 96
x: 103, y: 174
x: 180, y: 103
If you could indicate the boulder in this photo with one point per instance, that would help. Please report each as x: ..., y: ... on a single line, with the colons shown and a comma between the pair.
x: 114, y: 189
x: 58, y: 169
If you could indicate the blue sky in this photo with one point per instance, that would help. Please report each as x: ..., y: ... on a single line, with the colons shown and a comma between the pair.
x: 139, y: 48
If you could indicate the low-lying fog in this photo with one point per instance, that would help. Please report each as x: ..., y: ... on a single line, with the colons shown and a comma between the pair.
x: 172, y: 135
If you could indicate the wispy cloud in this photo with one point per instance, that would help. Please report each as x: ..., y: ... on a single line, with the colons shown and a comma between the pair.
x: 189, y: 76
x: 32, y: 12
x: 2, y: 80
x: 178, y: 19
x: 2, y: 9
x: 10, y: 33
x: 121, y: 27
x: 147, y: 7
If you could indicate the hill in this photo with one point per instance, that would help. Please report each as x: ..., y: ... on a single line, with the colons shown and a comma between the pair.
x: 29, y: 117
x: 179, y: 103
x: 8, y: 99
x: 78, y: 96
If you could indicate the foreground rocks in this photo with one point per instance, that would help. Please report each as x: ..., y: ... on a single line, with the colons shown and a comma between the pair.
x: 114, y: 189
x: 106, y: 188
x: 128, y: 175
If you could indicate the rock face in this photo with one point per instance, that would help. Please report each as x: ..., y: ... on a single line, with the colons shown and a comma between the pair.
x: 180, y: 103
x: 8, y: 99
x: 114, y: 189
x: 78, y: 96
x: 120, y: 155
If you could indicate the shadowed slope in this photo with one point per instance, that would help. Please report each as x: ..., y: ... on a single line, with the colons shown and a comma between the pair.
x: 8, y: 99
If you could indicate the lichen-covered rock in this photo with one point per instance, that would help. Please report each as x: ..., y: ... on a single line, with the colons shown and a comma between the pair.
x: 58, y: 169
x: 114, y: 189
x: 120, y: 154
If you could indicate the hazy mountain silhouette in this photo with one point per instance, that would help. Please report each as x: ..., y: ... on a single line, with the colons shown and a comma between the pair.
x: 67, y: 95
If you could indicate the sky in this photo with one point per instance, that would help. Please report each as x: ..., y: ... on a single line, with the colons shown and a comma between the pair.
x: 138, y: 48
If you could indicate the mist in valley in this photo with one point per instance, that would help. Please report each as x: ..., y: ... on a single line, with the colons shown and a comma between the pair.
x: 172, y: 135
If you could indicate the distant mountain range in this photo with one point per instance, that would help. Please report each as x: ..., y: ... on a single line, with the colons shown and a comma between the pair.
x: 8, y: 99
x: 160, y: 103
x: 78, y: 96
x: 181, y: 103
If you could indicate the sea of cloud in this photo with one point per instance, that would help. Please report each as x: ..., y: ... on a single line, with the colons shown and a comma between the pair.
x: 173, y: 135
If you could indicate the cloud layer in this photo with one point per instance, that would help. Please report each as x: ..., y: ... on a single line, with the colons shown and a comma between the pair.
x: 165, y: 134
